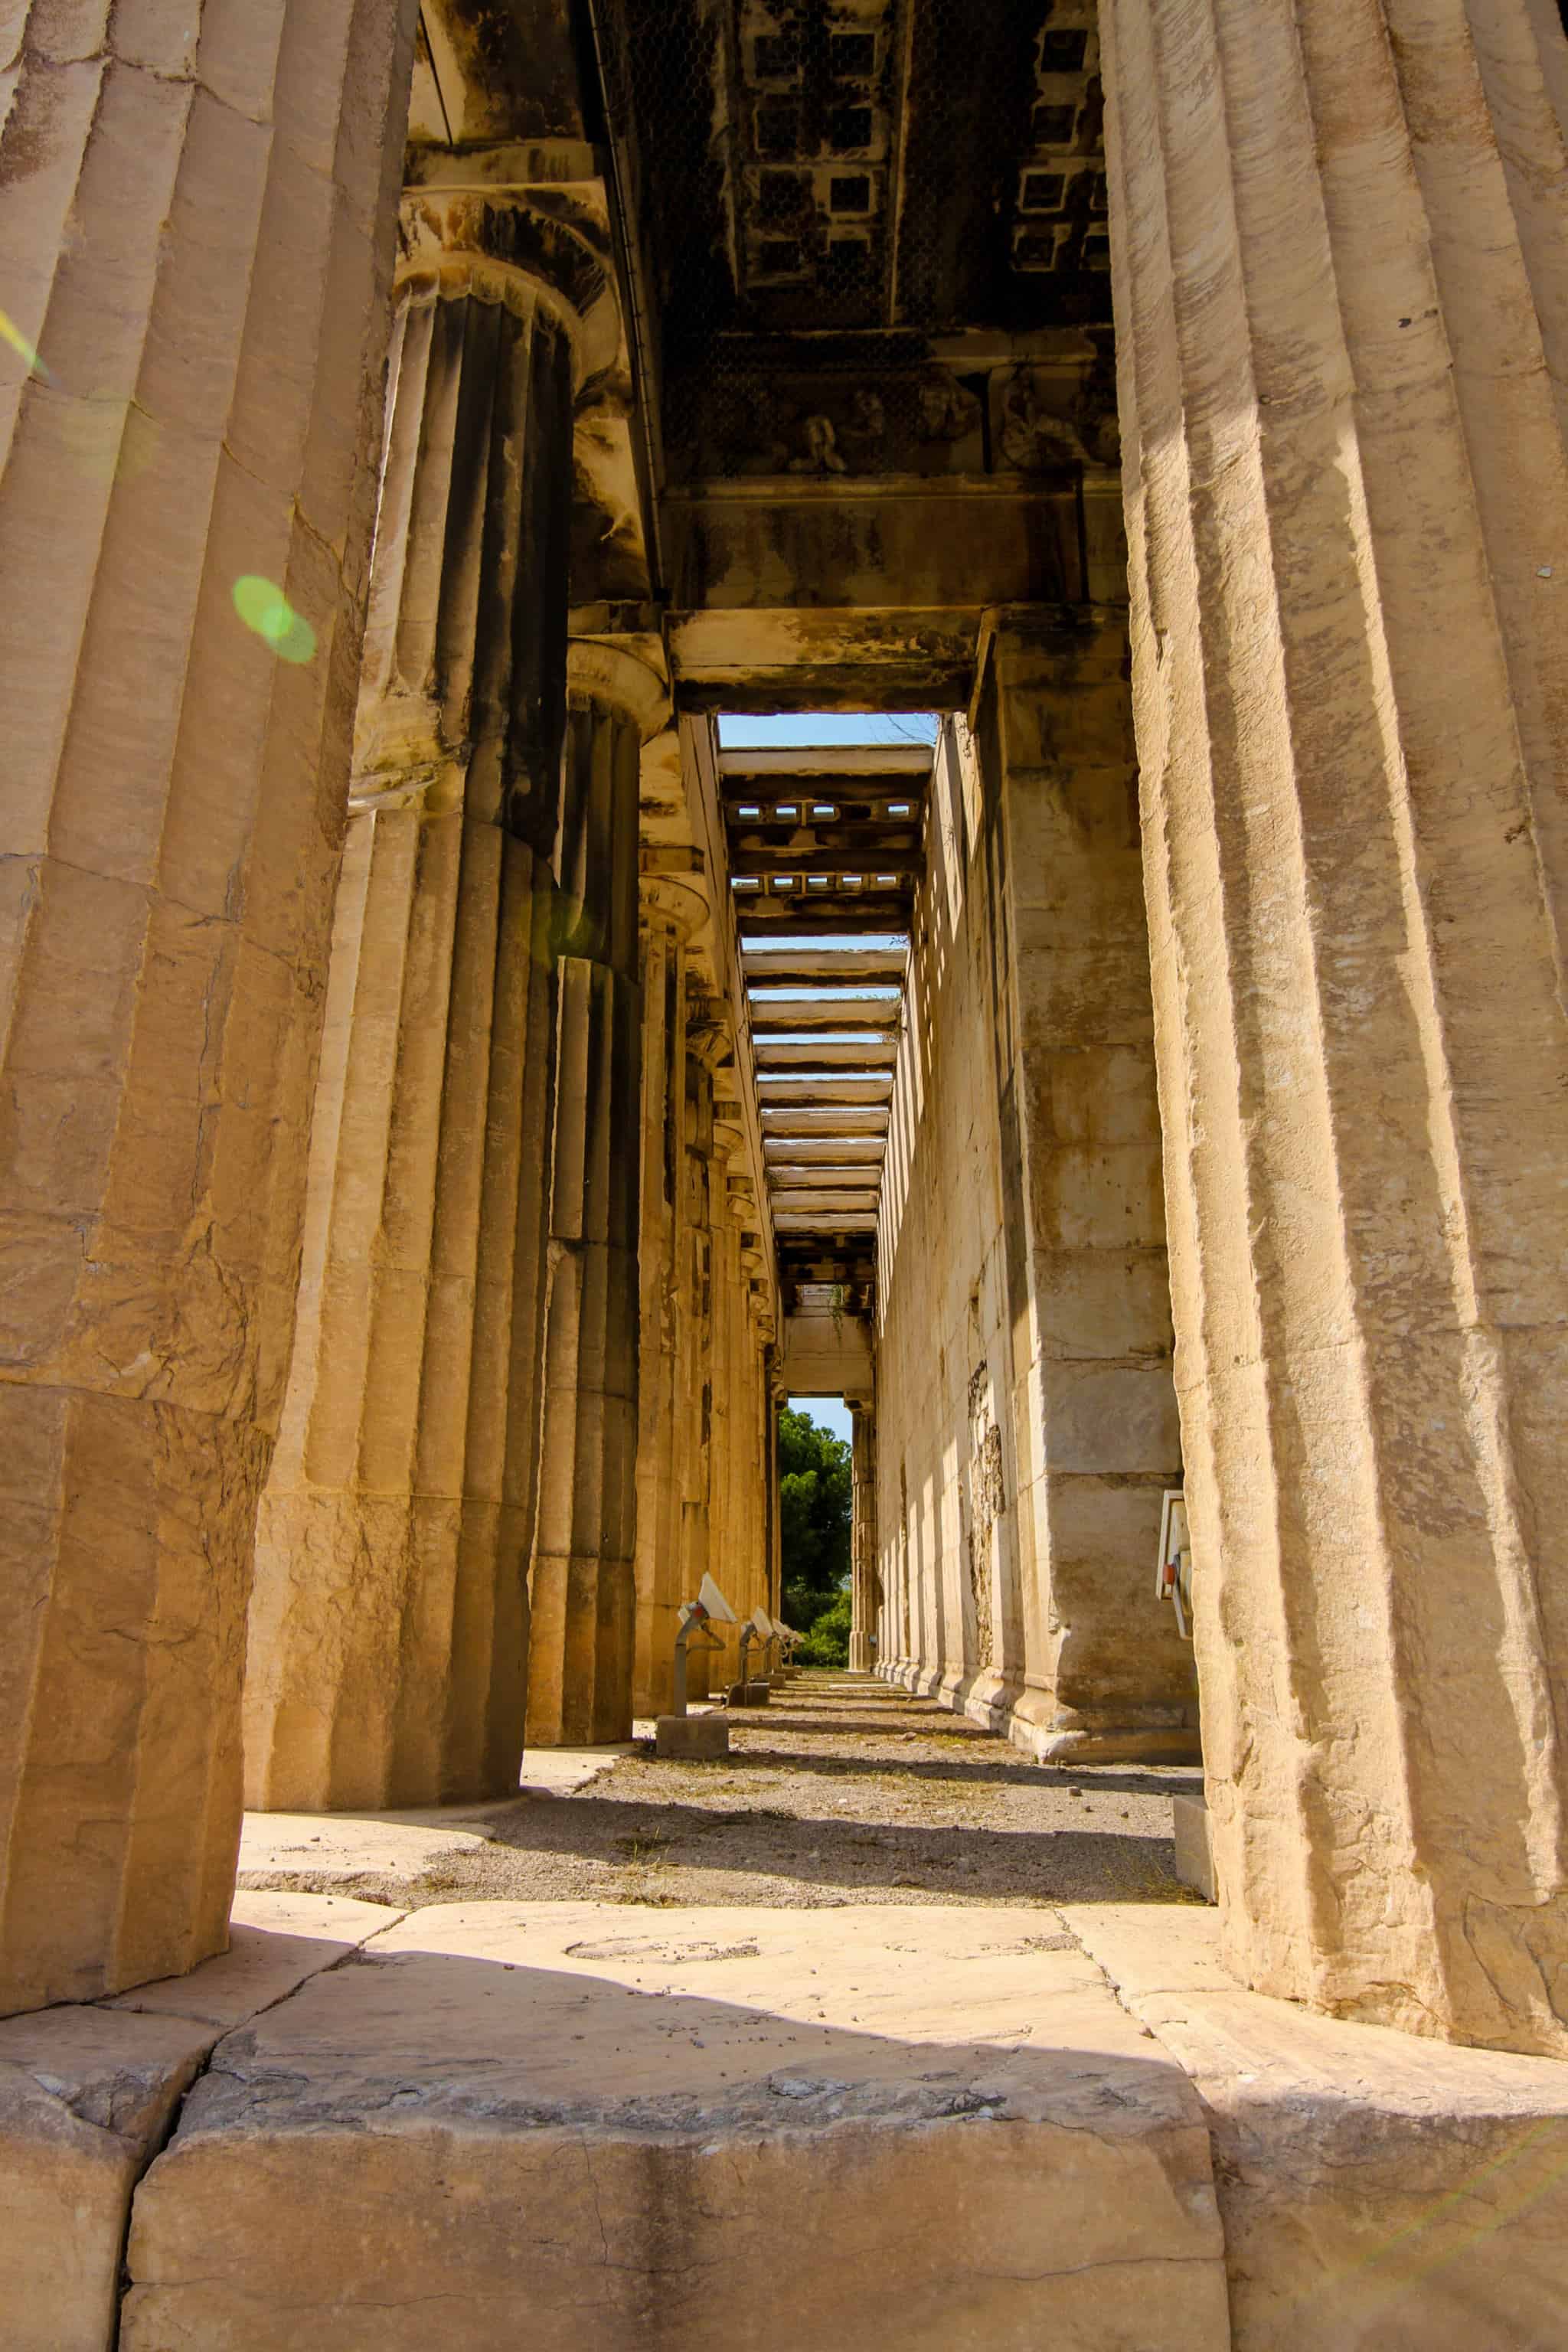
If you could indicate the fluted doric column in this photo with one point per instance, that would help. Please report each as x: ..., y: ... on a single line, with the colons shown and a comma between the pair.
x: 583, y: 1584
x: 389, y: 1628
x: 671, y: 911
x: 707, y: 1042
x: 1342, y: 255
x: 863, y: 1537
x: 774, y: 1395
x: 196, y: 211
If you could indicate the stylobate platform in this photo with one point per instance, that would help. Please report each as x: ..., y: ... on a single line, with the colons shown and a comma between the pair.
x: 600, y: 2125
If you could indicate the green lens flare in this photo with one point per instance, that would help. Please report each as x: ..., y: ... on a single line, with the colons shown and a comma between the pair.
x: 11, y: 333
x: 262, y: 606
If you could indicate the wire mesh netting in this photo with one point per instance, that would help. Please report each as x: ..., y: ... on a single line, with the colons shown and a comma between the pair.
x: 873, y: 231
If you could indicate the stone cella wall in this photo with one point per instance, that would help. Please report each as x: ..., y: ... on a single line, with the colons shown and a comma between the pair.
x: 704, y: 1472
x: 1025, y: 1423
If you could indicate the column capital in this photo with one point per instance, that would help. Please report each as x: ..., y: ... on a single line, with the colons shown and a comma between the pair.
x: 626, y: 675
x: 708, y: 1042
x: 666, y: 904
x: 486, y: 236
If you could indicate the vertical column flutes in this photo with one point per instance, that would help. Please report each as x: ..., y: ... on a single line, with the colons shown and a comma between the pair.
x: 1339, y: 261
x: 670, y: 912
x: 863, y: 1536
x: 389, y: 1625
x: 187, y: 477
x: 583, y: 1583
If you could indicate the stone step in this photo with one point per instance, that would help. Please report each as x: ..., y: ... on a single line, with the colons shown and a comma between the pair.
x: 580, y: 2128
x: 575, y: 2127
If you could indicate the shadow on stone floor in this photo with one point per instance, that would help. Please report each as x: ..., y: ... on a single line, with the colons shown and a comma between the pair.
x: 806, y: 1720
x: 1171, y: 1780
x: 676, y: 1841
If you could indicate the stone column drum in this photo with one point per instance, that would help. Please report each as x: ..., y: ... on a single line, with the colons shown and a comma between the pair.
x: 1342, y: 265
x: 774, y: 1405
x: 707, y: 1042
x: 863, y: 1537
x: 196, y: 204
x: 583, y: 1585
x: 670, y: 914
x: 389, y: 1624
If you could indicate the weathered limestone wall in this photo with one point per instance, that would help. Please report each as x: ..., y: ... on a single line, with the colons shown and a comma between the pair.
x: 950, y: 1619
x: 389, y: 1626
x: 197, y: 203
x: 1025, y: 1419
x: 1340, y: 261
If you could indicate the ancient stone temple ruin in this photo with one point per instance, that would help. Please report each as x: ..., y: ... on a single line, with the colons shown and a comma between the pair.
x: 462, y: 1072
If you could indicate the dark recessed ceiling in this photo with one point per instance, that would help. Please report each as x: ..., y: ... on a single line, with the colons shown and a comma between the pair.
x: 839, y: 182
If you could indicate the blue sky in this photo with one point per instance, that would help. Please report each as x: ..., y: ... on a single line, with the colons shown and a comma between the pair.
x: 783, y: 732
x: 828, y: 1412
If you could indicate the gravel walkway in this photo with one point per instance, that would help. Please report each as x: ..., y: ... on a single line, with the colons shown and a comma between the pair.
x: 841, y: 1792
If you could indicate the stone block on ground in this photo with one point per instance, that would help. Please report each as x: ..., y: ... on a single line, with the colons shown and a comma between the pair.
x: 578, y: 2126
x: 87, y: 2096
x: 1195, y: 1862
x: 1381, y: 2193
x: 691, y: 1739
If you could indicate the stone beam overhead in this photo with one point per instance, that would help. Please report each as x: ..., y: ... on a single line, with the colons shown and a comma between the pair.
x: 802, y: 1092
x: 822, y: 1011
x: 835, y: 1152
x: 791, y: 966
x: 902, y: 763
x: 798, y: 658
x: 826, y: 1119
x: 873, y: 1054
x: 845, y: 906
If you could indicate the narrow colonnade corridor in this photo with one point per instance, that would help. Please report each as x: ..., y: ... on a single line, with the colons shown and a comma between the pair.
x: 715, y: 703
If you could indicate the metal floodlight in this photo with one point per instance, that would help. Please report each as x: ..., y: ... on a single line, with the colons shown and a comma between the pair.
x: 710, y: 1608
x: 714, y: 1602
x: 762, y: 1623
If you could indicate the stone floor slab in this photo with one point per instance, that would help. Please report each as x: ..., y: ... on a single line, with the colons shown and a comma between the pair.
x: 583, y: 2127
x: 1381, y: 2193
x: 346, y: 1845
x: 85, y: 2100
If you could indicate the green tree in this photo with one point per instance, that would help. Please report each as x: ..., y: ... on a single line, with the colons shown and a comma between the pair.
x: 827, y: 1643
x: 814, y: 1503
